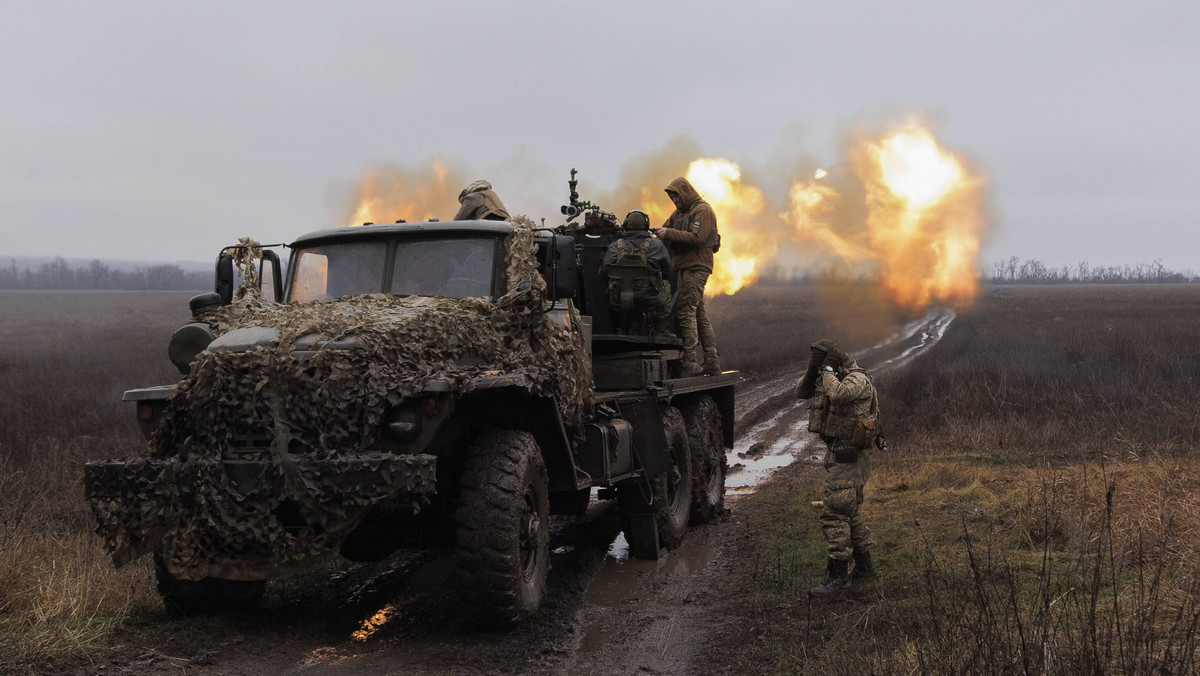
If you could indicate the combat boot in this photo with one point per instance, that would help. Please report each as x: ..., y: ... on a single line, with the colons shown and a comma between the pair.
x: 863, y: 567
x: 712, y: 367
x: 837, y: 578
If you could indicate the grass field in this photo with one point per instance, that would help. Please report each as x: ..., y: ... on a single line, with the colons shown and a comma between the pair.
x: 1040, y: 507
x: 1039, y: 510
x: 65, y: 359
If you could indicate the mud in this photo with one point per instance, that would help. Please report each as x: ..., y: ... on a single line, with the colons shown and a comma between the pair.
x: 604, y: 613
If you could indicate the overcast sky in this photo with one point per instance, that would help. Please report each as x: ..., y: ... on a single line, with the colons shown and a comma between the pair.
x: 163, y: 130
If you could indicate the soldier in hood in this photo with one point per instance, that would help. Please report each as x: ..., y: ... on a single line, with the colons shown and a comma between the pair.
x: 844, y: 412
x: 479, y: 202
x: 691, y: 235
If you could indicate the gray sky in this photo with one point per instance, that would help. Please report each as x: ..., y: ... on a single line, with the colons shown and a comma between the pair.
x: 163, y: 130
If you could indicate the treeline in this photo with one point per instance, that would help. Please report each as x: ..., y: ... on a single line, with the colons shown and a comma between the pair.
x: 1030, y: 271
x: 60, y: 275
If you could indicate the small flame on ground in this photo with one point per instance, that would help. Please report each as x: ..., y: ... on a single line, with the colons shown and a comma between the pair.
x: 374, y: 623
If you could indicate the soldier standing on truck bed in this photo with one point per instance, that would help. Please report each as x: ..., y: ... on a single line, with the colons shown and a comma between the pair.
x: 691, y: 234
x: 844, y: 412
x: 479, y: 202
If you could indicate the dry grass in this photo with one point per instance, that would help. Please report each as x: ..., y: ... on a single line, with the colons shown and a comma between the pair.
x: 1057, y: 373
x: 1040, y: 511
x: 65, y: 360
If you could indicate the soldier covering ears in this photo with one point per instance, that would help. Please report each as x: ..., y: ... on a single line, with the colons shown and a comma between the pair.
x: 844, y: 412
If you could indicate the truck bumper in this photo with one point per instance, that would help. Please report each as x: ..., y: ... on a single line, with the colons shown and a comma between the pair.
x: 245, y: 519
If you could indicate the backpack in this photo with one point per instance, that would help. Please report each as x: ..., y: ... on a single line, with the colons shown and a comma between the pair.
x: 646, y: 292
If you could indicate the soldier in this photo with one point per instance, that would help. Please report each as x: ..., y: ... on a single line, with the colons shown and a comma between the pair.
x: 479, y: 202
x: 844, y: 411
x: 691, y: 233
x: 637, y: 247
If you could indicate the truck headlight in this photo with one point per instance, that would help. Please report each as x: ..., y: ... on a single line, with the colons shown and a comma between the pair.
x: 402, y: 424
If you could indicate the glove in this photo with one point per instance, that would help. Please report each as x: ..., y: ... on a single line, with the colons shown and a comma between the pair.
x: 807, y: 386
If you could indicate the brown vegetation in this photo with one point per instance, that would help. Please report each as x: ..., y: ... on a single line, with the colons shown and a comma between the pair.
x: 1037, y: 512
x: 65, y: 360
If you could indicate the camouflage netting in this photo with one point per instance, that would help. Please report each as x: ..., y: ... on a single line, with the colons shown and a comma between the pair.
x: 319, y: 413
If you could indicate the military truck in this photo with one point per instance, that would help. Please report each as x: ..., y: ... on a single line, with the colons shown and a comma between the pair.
x: 430, y: 385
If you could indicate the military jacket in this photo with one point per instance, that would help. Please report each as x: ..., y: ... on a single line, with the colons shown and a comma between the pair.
x: 690, y: 230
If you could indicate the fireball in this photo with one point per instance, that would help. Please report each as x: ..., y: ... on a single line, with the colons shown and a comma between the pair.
x: 740, y: 207
x: 923, y: 218
x: 391, y: 193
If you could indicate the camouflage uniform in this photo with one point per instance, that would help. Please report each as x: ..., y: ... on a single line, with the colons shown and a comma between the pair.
x: 839, y: 404
x: 690, y: 232
x: 479, y: 202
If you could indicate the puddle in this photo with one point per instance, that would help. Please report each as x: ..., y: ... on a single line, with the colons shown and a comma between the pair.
x: 623, y: 579
x: 750, y: 464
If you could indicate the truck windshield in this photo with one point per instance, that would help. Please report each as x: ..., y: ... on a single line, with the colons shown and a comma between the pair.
x: 452, y: 267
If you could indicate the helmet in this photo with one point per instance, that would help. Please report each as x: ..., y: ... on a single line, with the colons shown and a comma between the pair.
x: 636, y: 220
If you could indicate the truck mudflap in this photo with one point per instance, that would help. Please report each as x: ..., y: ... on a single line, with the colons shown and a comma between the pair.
x: 245, y: 519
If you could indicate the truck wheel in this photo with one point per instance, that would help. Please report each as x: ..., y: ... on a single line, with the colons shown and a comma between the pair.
x: 503, y: 528
x: 205, y: 597
x: 670, y: 495
x: 708, y: 459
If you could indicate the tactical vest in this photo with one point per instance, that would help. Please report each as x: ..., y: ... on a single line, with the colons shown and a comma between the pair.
x: 838, y: 422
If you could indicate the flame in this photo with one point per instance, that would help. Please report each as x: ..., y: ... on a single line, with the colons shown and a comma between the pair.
x: 900, y: 207
x: 740, y: 208
x: 386, y: 194
x: 370, y: 626
x: 923, y: 217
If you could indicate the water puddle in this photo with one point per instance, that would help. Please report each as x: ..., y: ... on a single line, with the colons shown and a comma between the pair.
x: 624, y: 579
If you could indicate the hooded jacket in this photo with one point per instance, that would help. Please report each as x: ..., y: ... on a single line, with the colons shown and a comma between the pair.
x: 689, y: 228
x: 479, y: 202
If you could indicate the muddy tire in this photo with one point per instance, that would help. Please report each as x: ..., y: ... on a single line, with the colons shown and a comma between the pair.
x: 503, y: 528
x: 709, y: 465
x: 205, y: 597
x: 668, y: 497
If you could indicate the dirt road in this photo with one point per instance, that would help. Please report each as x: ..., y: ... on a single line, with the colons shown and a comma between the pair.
x: 604, y: 613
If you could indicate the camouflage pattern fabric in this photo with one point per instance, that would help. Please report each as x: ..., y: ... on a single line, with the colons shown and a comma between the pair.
x: 245, y: 260
x: 837, y: 405
x: 313, y: 416
x: 841, y: 521
x: 694, y: 327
